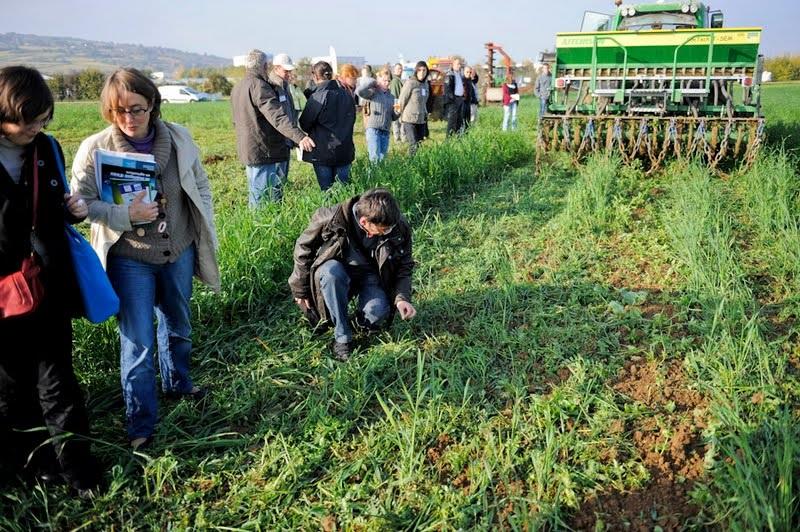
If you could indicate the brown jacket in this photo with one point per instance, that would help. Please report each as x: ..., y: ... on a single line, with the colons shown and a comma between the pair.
x: 327, y: 238
x: 264, y: 118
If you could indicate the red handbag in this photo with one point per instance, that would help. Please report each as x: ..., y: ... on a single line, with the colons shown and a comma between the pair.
x: 22, y: 291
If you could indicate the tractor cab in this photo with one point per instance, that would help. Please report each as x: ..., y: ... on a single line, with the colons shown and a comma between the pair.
x: 687, y: 15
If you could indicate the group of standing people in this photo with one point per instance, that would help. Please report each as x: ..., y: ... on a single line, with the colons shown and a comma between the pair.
x: 151, y: 251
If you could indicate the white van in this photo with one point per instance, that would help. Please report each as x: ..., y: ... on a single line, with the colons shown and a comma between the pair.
x: 180, y: 94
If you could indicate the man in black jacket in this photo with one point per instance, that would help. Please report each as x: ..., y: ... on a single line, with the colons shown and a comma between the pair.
x: 361, y: 247
x: 266, y: 125
x: 456, y: 97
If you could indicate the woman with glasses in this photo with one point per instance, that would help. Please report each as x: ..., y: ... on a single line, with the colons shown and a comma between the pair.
x: 151, y: 248
x: 37, y: 381
x: 413, y: 106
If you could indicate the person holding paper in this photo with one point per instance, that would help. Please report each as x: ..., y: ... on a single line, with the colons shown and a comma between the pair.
x: 151, y: 248
x: 37, y: 381
x: 510, y: 103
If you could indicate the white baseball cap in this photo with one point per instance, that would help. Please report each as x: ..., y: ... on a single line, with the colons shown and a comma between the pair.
x: 283, y: 60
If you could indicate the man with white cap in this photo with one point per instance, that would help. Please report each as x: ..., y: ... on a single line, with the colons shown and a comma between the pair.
x: 266, y: 125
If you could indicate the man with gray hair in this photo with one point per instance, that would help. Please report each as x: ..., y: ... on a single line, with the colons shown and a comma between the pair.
x: 266, y: 125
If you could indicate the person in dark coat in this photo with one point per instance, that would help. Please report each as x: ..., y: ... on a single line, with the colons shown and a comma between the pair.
x: 266, y: 125
x: 37, y: 381
x: 328, y: 118
x: 456, y: 98
x: 361, y: 247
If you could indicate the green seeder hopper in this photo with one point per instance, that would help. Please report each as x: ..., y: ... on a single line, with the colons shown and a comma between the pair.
x: 656, y: 81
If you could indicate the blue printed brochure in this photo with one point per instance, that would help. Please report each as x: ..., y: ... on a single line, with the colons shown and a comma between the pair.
x: 122, y: 176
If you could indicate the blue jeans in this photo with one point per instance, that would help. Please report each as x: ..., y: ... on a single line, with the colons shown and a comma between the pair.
x: 543, y: 106
x: 510, y: 112
x: 267, y: 179
x: 141, y: 288
x: 327, y: 174
x: 377, y: 143
x: 337, y: 286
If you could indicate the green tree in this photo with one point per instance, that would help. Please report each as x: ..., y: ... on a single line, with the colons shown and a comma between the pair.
x: 89, y: 84
x: 58, y: 86
x: 217, y: 83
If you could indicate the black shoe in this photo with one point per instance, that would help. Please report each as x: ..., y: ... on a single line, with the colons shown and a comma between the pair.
x: 197, y: 394
x: 341, y: 351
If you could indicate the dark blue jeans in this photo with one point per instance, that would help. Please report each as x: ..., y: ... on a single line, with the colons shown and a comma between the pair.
x: 336, y: 288
x: 327, y: 174
x: 142, y: 289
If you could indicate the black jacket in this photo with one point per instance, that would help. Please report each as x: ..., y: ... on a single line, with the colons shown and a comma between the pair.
x: 328, y: 119
x: 16, y: 215
x: 327, y: 238
x: 450, y: 89
x: 263, y: 119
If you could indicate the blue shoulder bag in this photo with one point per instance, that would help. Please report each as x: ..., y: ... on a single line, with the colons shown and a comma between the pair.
x: 100, y: 302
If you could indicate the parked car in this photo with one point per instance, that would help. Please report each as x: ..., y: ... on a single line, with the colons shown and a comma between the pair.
x: 181, y: 94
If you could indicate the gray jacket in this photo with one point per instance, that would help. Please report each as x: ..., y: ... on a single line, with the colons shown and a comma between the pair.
x: 381, y: 107
x: 543, y: 84
x: 413, y: 99
x: 264, y: 118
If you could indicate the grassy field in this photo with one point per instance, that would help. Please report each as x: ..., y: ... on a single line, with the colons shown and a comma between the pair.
x: 595, y: 349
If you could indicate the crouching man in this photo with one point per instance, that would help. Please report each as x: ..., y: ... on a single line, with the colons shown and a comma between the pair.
x: 360, y: 248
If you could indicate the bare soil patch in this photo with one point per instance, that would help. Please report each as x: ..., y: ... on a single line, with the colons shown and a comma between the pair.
x: 670, y: 445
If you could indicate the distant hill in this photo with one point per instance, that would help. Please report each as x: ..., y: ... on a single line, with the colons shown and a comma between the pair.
x: 66, y: 54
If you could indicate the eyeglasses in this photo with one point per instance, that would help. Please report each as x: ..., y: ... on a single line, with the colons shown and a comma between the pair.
x: 136, y: 112
x: 37, y: 124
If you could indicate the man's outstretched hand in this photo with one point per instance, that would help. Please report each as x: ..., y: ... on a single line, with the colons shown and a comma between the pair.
x: 406, y: 310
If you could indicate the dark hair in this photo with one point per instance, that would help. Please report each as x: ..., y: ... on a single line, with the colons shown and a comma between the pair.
x: 322, y: 70
x: 379, y: 207
x: 421, y: 64
x: 24, y: 95
x: 129, y: 80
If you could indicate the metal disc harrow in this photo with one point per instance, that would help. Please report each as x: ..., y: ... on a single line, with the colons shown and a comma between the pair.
x: 717, y: 141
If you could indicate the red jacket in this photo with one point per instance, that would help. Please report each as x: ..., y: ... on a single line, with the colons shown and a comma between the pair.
x: 508, y: 90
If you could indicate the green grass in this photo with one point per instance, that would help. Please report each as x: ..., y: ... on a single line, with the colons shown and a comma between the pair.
x: 512, y: 401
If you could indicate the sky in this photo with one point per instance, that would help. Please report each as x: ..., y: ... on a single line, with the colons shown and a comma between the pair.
x: 377, y: 30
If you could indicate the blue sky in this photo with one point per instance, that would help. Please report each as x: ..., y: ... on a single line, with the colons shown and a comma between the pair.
x: 379, y: 30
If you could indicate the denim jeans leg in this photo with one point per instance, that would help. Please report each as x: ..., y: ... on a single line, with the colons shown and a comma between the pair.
x: 542, y: 107
x: 514, y: 106
x: 373, y: 303
x: 324, y: 176
x: 266, y: 180
x: 343, y: 173
x: 257, y: 184
x: 173, y: 295
x: 383, y: 143
x: 135, y: 284
x: 506, y: 116
x: 335, y: 285
x: 373, y: 146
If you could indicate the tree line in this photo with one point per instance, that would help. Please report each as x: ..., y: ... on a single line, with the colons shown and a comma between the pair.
x: 87, y: 84
x: 784, y: 67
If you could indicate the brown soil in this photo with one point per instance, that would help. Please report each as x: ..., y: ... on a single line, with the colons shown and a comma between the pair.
x: 670, y: 446
x: 214, y: 158
x: 661, y: 503
x: 642, y: 381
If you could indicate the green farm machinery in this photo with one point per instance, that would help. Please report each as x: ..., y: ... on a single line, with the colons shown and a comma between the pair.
x: 656, y: 81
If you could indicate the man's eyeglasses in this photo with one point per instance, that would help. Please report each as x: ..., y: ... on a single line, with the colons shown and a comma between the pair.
x: 136, y: 112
